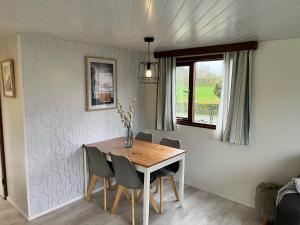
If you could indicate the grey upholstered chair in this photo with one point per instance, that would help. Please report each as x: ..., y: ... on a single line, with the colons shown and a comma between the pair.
x: 98, y: 168
x: 128, y: 178
x: 168, y: 171
x: 144, y: 137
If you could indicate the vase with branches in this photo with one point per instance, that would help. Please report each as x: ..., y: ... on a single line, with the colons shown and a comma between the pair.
x: 127, y: 119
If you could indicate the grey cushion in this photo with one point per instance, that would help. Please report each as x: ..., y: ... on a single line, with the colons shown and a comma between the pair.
x: 164, y: 172
x: 126, y: 174
x: 97, y: 162
x: 171, y: 169
x: 152, y: 176
x: 144, y: 137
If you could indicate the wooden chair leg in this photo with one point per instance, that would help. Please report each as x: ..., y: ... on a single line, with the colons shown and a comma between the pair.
x: 157, y: 185
x: 105, y: 193
x: 108, y: 183
x: 117, y: 199
x: 153, y: 203
x: 125, y: 192
x: 133, y: 193
x: 264, y: 221
x: 140, y: 195
x: 161, y: 203
x: 174, y: 187
x: 152, y: 200
x: 91, y: 188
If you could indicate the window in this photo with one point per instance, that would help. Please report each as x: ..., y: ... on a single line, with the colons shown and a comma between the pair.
x: 198, y: 89
x: 182, y: 90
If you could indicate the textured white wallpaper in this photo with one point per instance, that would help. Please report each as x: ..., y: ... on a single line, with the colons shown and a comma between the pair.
x: 56, y: 121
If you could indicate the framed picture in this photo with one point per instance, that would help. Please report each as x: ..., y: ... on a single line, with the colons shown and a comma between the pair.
x: 8, y: 78
x: 101, y: 83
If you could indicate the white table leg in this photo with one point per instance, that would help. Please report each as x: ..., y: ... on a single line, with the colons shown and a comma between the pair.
x: 146, y: 197
x: 86, y: 175
x: 181, y: 179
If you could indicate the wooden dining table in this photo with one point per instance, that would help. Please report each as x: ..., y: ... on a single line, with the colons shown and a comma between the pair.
x: 146, y: 157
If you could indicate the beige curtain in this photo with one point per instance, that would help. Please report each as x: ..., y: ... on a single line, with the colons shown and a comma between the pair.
x: 166, y: 98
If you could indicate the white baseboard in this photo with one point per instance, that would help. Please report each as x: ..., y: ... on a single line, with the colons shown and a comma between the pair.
x: 251, y: 205
x: 17, y: 208
x: 54, y: 208
x: 61, y: 205
x: 202, y: 188
x: 29, y: 218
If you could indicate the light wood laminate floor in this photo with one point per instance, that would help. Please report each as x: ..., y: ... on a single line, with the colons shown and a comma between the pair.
x: 200, y: 208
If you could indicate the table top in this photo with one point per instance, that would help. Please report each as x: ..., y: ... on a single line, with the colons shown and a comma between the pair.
x: 142, y: 153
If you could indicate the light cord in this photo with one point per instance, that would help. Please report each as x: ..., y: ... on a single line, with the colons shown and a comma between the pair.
x: 148, y: 51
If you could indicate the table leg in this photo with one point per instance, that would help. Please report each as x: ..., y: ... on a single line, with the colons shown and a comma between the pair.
x: 86, y: 175
x: 146, y: 197
x: 181, y: 179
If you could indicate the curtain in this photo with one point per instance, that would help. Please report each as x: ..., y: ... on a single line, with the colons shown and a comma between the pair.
x: 165, y: 96
x: 234, y: 111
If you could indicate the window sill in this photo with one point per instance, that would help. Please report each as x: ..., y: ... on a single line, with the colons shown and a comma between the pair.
x: 201, y: 125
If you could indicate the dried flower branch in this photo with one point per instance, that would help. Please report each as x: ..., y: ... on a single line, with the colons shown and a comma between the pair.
x: 126, y: 117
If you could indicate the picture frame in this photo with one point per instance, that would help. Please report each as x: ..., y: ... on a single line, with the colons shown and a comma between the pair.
x: 101, y: 83
x: 8, y: 78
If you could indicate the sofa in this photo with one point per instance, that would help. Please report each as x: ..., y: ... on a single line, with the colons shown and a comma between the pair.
x: 288, y: 210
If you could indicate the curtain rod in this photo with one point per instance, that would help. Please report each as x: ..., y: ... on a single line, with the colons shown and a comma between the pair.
x: 208, y: 49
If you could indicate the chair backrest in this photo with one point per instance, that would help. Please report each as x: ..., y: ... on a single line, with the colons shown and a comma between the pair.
x: 144, y: 137
x: 174, y: 143
x: 125, y: 173
x: 97, y: 162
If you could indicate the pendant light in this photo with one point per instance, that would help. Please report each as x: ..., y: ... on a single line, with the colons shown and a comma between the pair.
x: 148, y: 69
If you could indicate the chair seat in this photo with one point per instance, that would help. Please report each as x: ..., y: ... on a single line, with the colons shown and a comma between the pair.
x: 164, y: 172
x: 152, y: 176
x: 110, y: 165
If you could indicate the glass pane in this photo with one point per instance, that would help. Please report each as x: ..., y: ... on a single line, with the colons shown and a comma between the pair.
x: 182, y: 89
x: 208, y: 85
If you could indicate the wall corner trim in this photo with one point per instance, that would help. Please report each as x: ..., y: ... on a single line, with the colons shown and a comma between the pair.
x: 18, y: 208
x: 21, y: 95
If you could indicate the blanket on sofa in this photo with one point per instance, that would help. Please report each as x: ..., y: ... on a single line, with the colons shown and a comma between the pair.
x: 290, y: 188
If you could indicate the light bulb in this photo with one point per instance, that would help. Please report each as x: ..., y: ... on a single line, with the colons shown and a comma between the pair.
x: 148, y: 73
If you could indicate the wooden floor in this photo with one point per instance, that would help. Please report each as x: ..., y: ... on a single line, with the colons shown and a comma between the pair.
x: 200, y: 208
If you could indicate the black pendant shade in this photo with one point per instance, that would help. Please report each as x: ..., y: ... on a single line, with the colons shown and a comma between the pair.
x: 148, y: 73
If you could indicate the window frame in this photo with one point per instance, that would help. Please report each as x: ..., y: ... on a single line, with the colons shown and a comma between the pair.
x: 191, y: 61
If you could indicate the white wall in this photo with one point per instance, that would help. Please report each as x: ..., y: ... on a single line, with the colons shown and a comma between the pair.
x: 56, y: 121
x: 13, y: 127
x: 234, y: 171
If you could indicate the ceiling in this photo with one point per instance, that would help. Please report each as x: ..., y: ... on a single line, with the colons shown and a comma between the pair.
x: 175, y: 24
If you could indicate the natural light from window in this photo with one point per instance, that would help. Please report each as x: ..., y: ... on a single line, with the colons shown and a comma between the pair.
x: 182, y: 90
x: 208, y: 85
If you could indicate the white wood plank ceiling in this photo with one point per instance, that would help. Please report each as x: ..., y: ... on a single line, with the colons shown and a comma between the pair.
x: 174, y: 23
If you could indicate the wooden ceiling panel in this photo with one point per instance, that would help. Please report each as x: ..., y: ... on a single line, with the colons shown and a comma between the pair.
x: 174, y: 23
